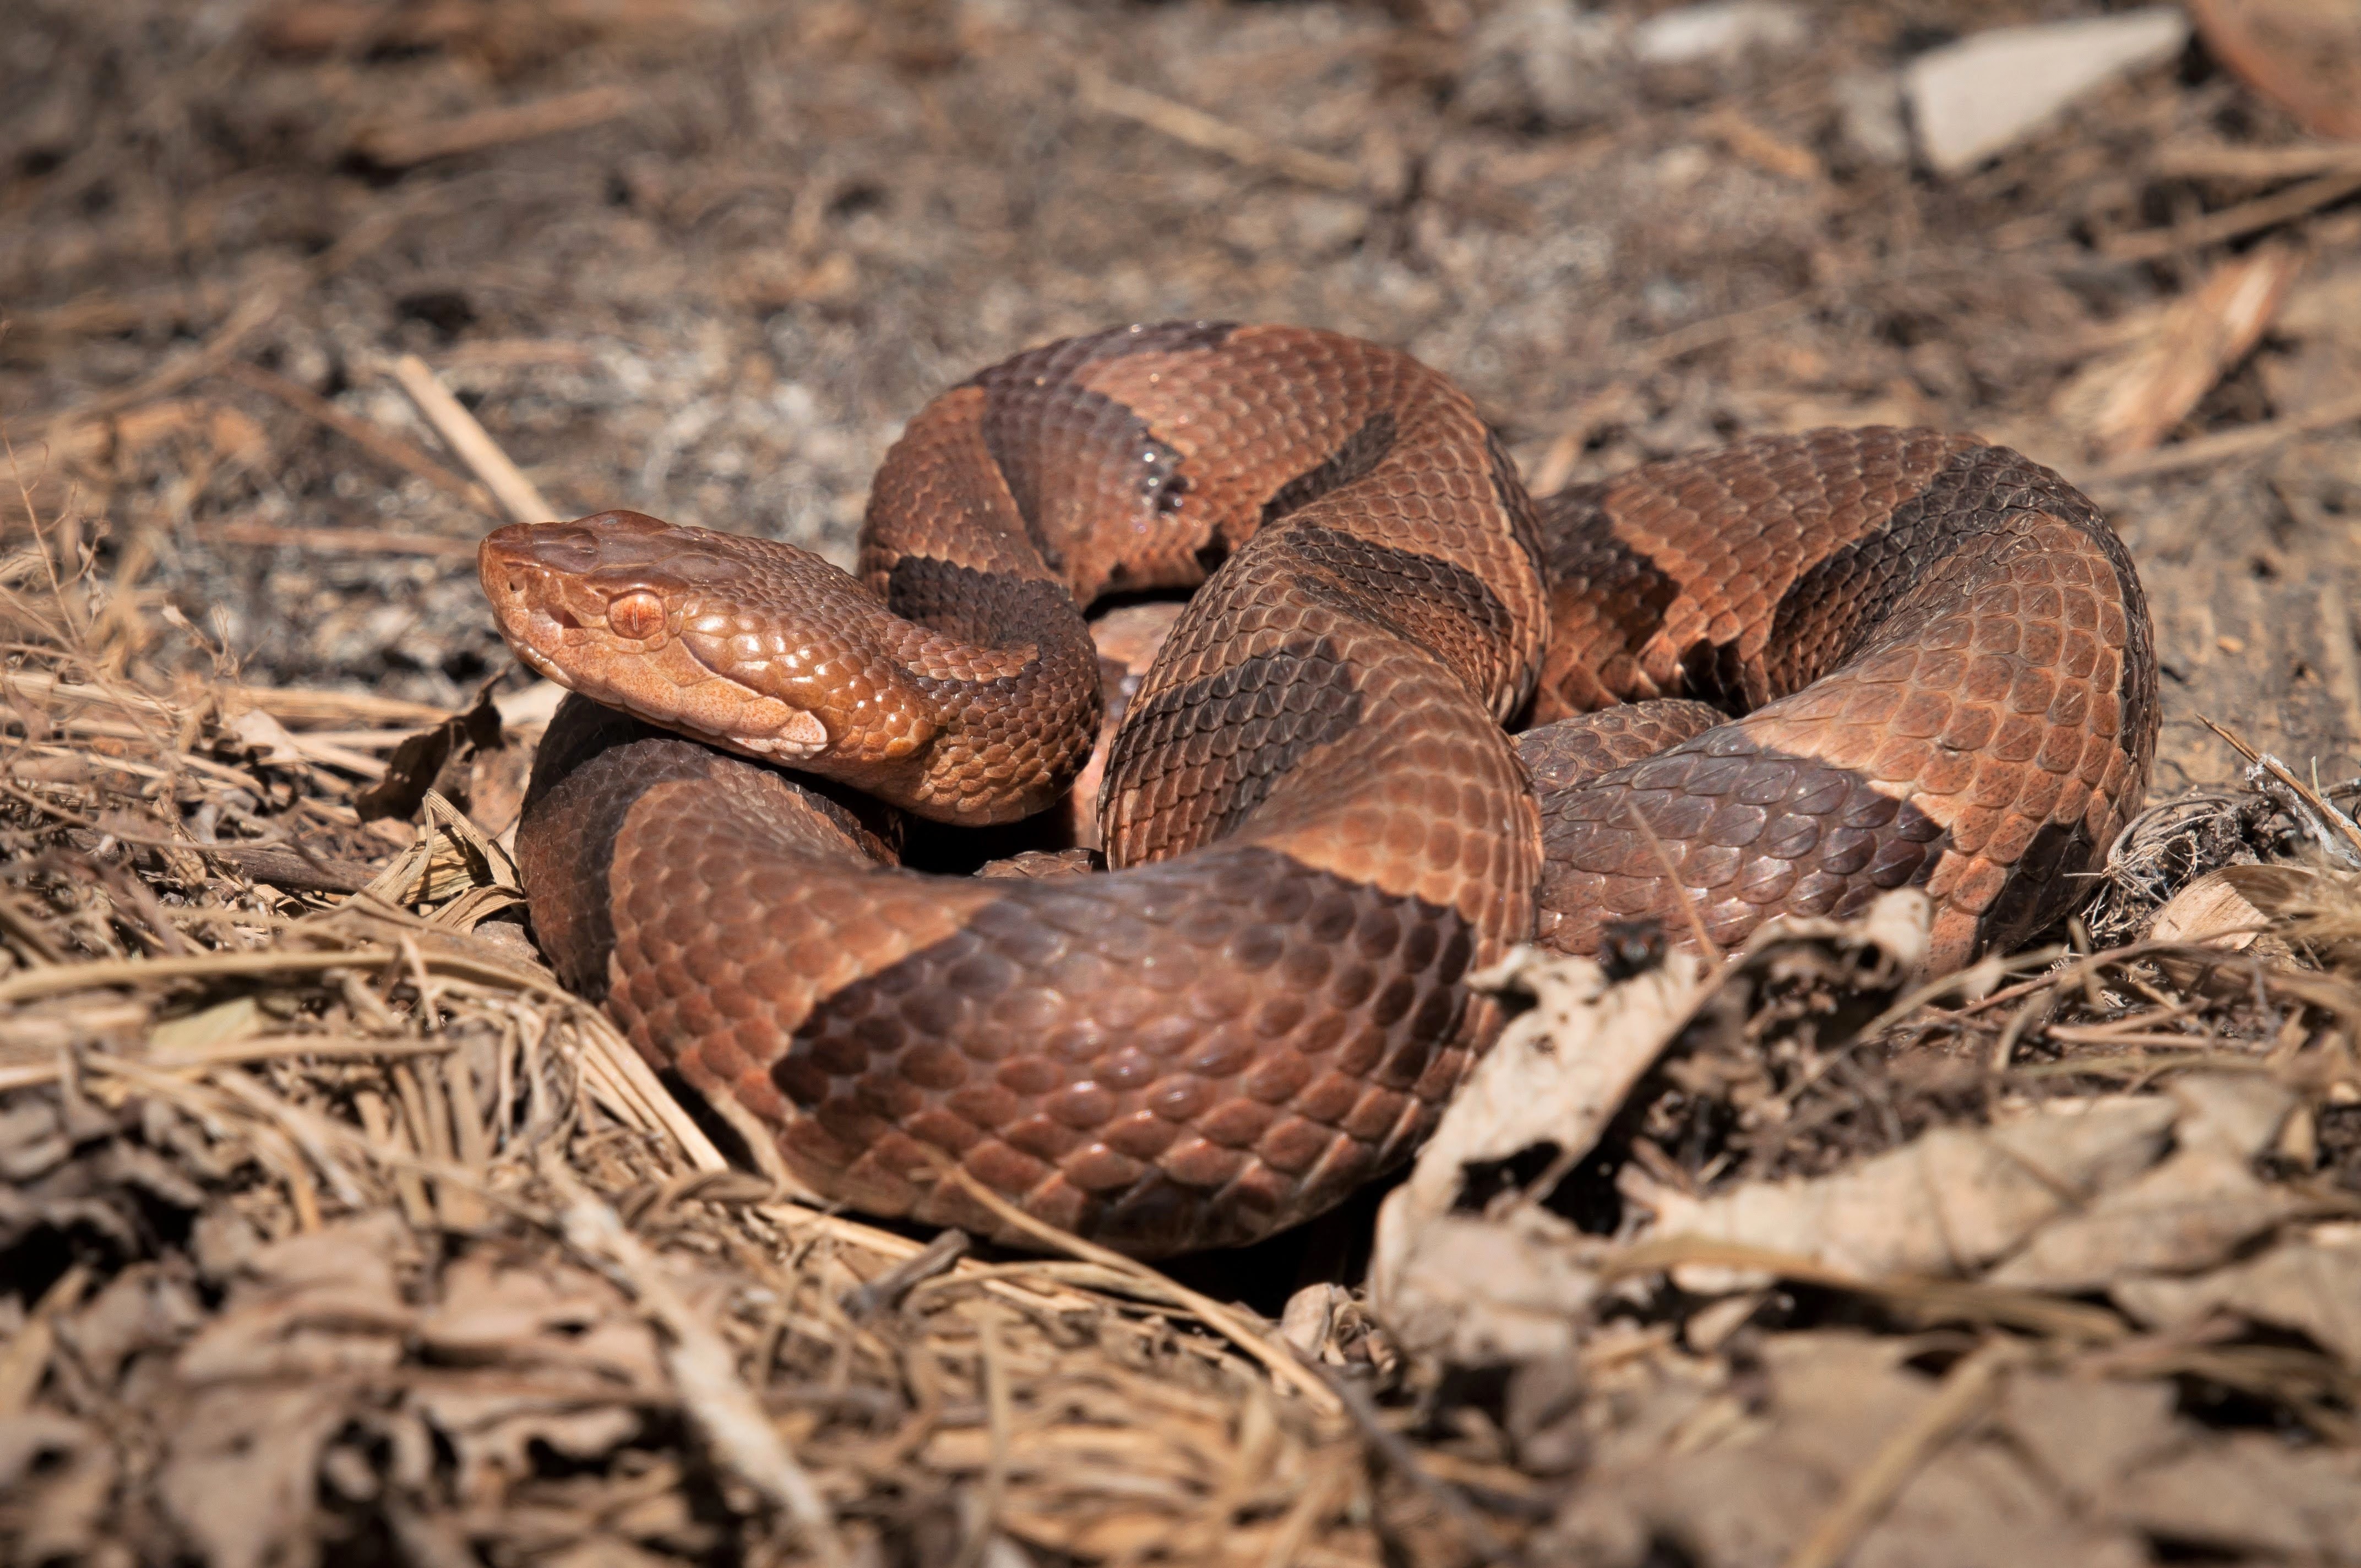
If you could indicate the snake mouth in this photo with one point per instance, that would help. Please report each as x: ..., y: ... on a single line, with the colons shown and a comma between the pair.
x: 577, y: 634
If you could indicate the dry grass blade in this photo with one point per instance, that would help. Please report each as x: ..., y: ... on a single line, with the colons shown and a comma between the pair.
x: 381, y: 443
x: 1211, y: 134
x: 2233, y: 222
x: 399, y: 146
x: 482, y: 455
x: 1274, y: 1356
x: 732, y: 1417
x: 1968, y: 1390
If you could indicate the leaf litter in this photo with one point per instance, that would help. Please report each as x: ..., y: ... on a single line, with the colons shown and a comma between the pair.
x: 344, y: 1229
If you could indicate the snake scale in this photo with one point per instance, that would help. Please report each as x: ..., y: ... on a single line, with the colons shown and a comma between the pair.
x: 1775, y: 678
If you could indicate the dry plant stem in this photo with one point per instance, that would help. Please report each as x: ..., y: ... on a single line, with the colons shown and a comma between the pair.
x: 399, y: 146
x: 20, y: 925
x: 2328, y: 814
x: 295, y: 704
x: 998, y: 1416
x: 2228, y: 445
x: 75, y: 819
x: 2072, y: 973
x: 1201, y: 130
x: 382, y: 445
x: 1274, y: 1356
x: 2035, y: 1008
x: 1714, y: 956
x: 344, y: 540
x: 1386, y: 1445
x: 877, y: 1295
x: 1943, y: 985
x: 729, y: 1411
x: 52, y: 980
x: 2144, y: 1067
x: 2232, y: 222
x: 1967, y: 1391
x: 454, y: 424
x: 2223, y: 160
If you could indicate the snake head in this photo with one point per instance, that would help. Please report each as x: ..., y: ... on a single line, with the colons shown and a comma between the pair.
x: 753, y: 644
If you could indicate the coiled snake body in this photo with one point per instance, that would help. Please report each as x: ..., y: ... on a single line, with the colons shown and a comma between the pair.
x: 1801, y: 669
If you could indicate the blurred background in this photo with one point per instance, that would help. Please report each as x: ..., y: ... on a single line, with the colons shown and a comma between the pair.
x: 702, y: 257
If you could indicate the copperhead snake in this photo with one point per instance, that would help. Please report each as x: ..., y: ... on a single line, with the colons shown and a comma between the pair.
x: 1775, y: 678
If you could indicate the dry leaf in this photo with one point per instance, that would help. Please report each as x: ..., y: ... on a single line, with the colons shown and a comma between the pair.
x: 1947, y: 1203
x: 1555, y: 1075
x: 2309, y: 1284
x: 2250, y: 1492
x: 1733, y: 1483
x: 58, y: 1476
x: 1518, y: 1281
x: 2131, y: 400
x: 2190, y: 1212
x: 242, y: 1473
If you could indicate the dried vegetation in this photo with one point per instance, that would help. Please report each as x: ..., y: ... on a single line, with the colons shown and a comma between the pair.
x: 331, y: 1229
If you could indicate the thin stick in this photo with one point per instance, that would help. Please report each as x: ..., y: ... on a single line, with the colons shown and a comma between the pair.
x: 939, y: 1255
x: 474, y: 445
x: 1967, y: 1390
x: 1706, y: 944
x: 2148, y: 245
x: 2246, y: 441
x: 1399, y: 1456
x: 2329, y: 815
x: 347, y: 541
x: 418, y: 141
x: 1275, y: 1358
x: 2224, y: 160
x: 382, y: 445
x: 1204, y: 131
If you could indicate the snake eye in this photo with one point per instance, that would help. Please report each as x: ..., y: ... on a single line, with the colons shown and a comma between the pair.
x: 638, y: 616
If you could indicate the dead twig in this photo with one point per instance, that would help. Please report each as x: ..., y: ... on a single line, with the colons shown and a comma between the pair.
x: 345, y: 541
x: 382, y: 445
x: 1387, y: 1445
x: 412, y: 142
x: 2223, y: 447
x: 1199, y: 130
x: 1267, y: 1349
x: 475, y: 445
x: 2221, y: 160
x: 1967, y: 1391
x: 2234, y: 222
